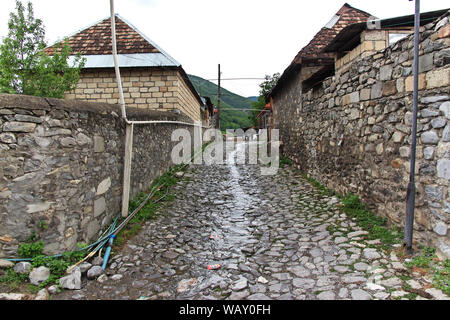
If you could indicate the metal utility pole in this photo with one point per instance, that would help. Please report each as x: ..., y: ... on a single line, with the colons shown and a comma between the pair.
x: 411, y: 192
x: 218, y: 98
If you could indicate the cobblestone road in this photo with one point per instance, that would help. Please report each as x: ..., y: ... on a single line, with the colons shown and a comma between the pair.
x: 270, y: 235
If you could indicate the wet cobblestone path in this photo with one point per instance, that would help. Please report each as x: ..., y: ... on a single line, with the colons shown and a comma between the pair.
x: 271, y: 236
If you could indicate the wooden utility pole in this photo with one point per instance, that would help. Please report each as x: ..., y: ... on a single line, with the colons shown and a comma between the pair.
x: 218, y: 100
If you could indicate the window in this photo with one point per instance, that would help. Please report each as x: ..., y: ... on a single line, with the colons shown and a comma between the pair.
x: 394, y: 37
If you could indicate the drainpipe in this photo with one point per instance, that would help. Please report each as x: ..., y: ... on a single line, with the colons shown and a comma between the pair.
x: 410, y: 195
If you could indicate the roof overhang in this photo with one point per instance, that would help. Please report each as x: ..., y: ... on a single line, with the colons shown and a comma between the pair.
x: 127, y: 60
x: 349, y: 37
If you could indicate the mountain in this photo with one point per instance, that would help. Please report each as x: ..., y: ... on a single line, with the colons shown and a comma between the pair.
x: 230, y: 118
x: 253, y: 98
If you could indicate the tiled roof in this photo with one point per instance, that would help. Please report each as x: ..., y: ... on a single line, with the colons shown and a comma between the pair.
x: 312, y: 52
x: 96, y: 40
x: 347, y: 16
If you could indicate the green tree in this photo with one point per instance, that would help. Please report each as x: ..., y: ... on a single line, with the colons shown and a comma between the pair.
x: 265, y: 87
x: 25, y: 68
x: 268, y: 84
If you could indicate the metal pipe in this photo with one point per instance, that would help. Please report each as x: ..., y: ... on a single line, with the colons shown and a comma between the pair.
x: 411, y: 192
x: 167, y: 121
x: 116, y: 62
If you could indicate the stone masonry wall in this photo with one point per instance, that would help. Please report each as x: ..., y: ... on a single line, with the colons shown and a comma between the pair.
x: 146, y: 88
x: 61, y: 167
x: 369, y: 107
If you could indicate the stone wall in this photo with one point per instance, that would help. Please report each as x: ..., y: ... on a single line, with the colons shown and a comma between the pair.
x: 61, y: 167
x: 353, y: 133
x: 146, y: 88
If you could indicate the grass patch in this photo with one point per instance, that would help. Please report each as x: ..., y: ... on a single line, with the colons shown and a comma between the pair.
x: 57, y: 265
x: 439, y: 270
x: 375, y: 225
x: 149, y: 211
x: 322, y: 189
x: 285, y: 161
x: 32, y: 249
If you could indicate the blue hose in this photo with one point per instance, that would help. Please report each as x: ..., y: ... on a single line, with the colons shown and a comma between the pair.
x: 108, y: 250
x: 101, y: 242
x: 111, y: 233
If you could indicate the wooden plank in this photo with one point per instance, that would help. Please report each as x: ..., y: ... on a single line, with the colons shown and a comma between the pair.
x: 127, y: 168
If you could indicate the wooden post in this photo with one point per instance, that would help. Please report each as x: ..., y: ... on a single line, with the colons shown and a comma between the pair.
x: 127, y: 168
x: 218, y: 100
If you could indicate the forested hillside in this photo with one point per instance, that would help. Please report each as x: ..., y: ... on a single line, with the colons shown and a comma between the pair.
x: 232, y: 105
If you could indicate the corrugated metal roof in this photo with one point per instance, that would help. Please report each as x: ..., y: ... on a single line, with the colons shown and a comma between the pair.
x: 128, y: 60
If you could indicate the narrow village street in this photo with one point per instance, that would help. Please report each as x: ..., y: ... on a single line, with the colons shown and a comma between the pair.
x: 271, y: 235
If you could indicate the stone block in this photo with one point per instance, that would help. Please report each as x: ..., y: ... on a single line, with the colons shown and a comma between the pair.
x: 103, y: 186
x: 376, y: 91
x: 7, y: 137
x: 38, y: 207
x: 16, y: 126
x: 379, y: 149
x: 92, y: 229
x: 429, y: 137
x: 438, y: 78
x: 445, y: 109
x: 440, y: 228
x: 68, y: 142
x: 83, y: 139
x: 438, y: 123
x: 409, y: 83
x: 443, y: 168
x: 433, y: 193
x: 386, y: 72
x: 364, y: 94
x: 99, y: 206
x: 427, y: 113
x: 428, y: 153
x: 373, y: 35
x: 99, y: 144
x: 400, y: 85
x: 39, y: 275
x: 404, y: 151
x: 354, y: 97
x: 389, y: 88
x: 380, y: 45
x: 367, y: 46
x: 425, y: 62
x: 444, y: 32
x: 397, y: 137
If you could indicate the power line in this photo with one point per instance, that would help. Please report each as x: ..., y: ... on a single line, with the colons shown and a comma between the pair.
x: 236, y: 79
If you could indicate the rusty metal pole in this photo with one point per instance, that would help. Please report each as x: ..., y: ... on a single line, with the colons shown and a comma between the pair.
x: 410, y: 195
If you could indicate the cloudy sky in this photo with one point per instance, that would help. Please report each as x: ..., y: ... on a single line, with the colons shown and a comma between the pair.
x: 249, y: 38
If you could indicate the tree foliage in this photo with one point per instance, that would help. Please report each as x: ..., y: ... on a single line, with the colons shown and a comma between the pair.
x: 265, y: 87
x: 25, y: 68
x: 268, y: 84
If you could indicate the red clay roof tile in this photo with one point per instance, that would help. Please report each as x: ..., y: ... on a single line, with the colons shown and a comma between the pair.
x: 96, y: 40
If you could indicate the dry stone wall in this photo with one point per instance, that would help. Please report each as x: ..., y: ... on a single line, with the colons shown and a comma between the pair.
x: 353, y: 133
x: 61, y: 167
